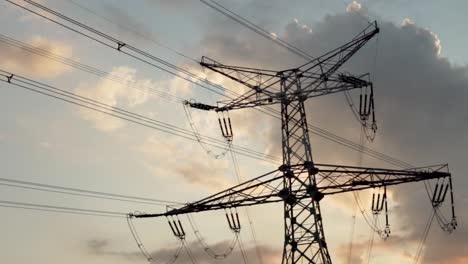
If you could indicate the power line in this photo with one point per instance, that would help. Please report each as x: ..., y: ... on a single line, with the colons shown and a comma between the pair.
x: 105, y: 75
x: 60, y: 209
x: 122, y: 114
x: 173, y: 98
x: 235, y: 162
x: 209, y: 251
x: 89, y: 69
x: 138, y: 240
x: 239, y: 19
x: 124, y: 48
x: 314, y: 130
x: 253, y: 27
x: 128, y: 29
x: 83, y: 192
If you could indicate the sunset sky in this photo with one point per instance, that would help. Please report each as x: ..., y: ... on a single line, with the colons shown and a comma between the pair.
x: 418, y: 63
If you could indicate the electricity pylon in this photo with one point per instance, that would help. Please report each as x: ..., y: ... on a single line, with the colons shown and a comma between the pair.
x: 301, y: 184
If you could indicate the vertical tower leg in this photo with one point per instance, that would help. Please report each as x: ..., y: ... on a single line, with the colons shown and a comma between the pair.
x: 304, y: 236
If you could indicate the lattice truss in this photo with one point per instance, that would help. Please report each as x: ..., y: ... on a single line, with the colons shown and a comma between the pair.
x: 299, y: 183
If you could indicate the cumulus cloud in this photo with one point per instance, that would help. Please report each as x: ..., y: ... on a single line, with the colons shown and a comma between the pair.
x: 24, y: 62
x: 190, y: 165
x: 420, y: 100
x: 353, y: 7
x: 113, y: 94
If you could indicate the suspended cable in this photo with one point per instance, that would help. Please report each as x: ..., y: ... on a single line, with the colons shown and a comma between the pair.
x: 78, y: 194
x: 314, y: 130
x: 60, y: 209
x: 120, y: 113
x: 137, y: 239
x: 86, y: 68
x: 128, y: 29
x: 188, y: 114
x: 143, y: 249
x: 242, y: 250
x: 424, y: 236
x: 83, y: 192
x: 371, y: 242
x: 122, y: 47
x: 253, y: 27
x: 209, y: 251
x: 355, y: 206
x: 235, y: 162
x: 220, y: 8
x: 119, y: 80
x: 189, y: 253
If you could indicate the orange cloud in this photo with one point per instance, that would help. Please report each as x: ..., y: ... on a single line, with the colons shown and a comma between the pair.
x: 23, y: 62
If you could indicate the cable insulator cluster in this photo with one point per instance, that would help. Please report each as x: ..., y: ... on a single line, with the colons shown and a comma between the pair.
x: 177, y: 228
x: 380, y: 204
x: 366, y: 106
x: 438, y: 197
x: 226, y: 127
x: 233, y: 221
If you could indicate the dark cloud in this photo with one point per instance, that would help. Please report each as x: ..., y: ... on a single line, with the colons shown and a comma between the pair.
x: 268, y: 255
x: 127, y: 24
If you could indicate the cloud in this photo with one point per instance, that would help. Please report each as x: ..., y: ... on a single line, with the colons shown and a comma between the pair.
x: 113, y: 94
x: 23, y: 62
x: 127, y: 24
x: 269, y: 255
x: 353, y: 7
x: 190, y: 164
x: 420, y: 99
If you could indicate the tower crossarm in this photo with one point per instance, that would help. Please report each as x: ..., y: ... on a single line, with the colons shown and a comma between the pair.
x: 316, y: 78
x: 340, y: 83
x: 260, y: 190
x: 329, y: 63
x: 331, y: 179
x: 334, y: 179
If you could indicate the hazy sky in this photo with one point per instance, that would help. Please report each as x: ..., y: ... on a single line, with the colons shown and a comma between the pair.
x: 421, y: 82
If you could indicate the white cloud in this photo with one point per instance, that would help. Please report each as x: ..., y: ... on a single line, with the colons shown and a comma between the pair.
x: 23, y: 62
x: 113, y: 94
x: 353, y: 7
x: 187, y: 161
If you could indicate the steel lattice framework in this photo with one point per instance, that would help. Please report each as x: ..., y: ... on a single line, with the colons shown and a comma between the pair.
x: 299, y: 183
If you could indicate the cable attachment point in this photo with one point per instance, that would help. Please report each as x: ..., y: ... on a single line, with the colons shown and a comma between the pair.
x: 438, y: 197
x: 453, y: 224
x: 233, y: 221
x: 226, y: 127
x: 176, y: 227
x: 386, y: 233
x: 120, y: 45
x: 10, y: 77
x: 200, y: 106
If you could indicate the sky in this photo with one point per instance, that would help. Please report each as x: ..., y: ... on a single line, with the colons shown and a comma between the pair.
x: 418, y: 64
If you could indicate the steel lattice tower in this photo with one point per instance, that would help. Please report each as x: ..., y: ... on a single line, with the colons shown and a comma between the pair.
x: 302, y: 183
